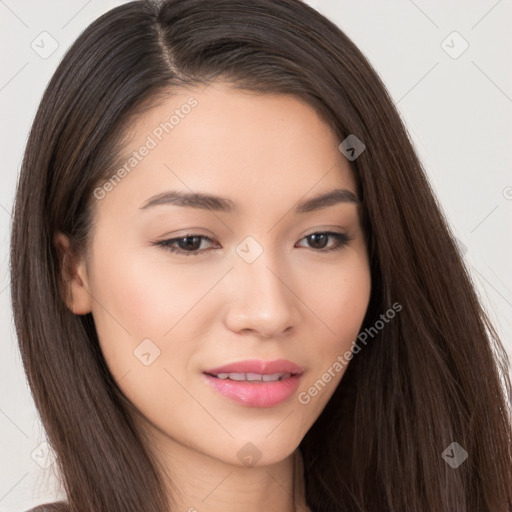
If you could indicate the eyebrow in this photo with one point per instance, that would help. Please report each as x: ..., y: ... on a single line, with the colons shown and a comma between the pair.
x: 222, y: 204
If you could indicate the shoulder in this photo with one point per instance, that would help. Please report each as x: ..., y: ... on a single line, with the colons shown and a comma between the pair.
x: 57, y: 506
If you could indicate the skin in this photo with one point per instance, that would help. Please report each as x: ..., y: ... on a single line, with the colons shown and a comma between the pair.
x: 265, y: 153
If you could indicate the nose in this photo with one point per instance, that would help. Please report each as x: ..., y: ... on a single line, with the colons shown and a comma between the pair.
x: 261, y: 299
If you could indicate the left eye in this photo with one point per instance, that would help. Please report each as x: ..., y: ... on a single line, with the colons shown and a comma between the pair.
x: 320, y: 239
x: 189, y: 245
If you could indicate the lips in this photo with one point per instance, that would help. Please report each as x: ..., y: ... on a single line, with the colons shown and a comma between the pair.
x: 256, y: 383
x: 258, y: 367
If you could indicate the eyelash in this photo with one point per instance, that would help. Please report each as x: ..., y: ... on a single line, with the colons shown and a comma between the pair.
x: 342, y: 241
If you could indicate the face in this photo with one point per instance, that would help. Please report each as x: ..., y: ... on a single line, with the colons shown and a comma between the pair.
x: 180, y: 288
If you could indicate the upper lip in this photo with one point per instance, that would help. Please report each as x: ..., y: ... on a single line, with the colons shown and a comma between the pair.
x: 258, y: 366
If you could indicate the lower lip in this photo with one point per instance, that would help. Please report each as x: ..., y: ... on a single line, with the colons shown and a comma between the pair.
x: 255, y: 393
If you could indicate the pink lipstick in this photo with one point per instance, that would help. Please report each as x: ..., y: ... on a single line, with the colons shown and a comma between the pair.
x: 256, y: 383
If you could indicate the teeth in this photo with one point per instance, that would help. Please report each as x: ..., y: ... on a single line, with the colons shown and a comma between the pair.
x: 253, y: 376
x: 275, y: 376
x: 236, y: 376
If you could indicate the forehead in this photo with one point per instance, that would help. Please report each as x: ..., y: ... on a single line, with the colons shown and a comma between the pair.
x: 251, y: 148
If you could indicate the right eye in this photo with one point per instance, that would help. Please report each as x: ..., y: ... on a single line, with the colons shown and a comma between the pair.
x: 187, y: 245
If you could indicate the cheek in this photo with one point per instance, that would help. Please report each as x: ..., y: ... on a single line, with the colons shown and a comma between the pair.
x: 352, y: 303
x: 150, y: 297
x: 340, y: 305
x: 143, y: 299
x: 339, y: 296
x: 131, y: 305
x: 341, y: 310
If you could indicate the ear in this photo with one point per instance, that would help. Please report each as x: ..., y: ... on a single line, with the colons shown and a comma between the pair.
x: 74, y: 275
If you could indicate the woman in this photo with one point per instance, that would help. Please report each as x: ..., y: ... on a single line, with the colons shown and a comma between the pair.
x: 191, y: 175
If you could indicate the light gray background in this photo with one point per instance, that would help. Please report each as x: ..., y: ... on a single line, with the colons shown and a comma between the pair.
x: 458, y: 111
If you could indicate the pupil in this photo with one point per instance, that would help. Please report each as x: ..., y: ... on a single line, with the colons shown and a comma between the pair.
x: 315, y: 238
x: 195, y: 244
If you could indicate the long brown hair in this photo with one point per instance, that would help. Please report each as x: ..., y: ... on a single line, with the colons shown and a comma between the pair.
x: 437, y: 374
